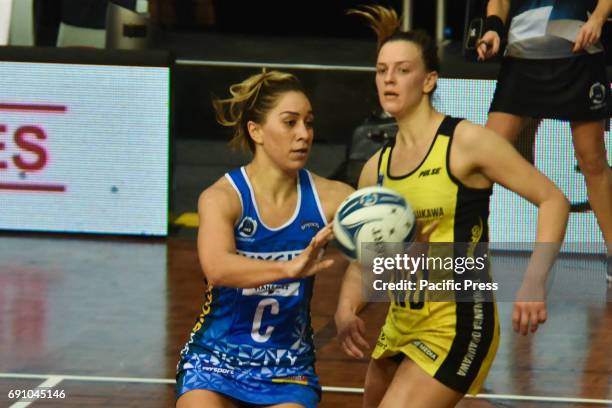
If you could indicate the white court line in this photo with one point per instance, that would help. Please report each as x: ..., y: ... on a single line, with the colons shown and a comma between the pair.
x: 244, y: 64
x: 50, y: 382
x: 91, y: 378
x: 347, y: 390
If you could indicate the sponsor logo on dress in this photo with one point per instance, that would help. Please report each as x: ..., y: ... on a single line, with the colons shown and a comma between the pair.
x: 430, y: 172
x: 429, y: 212
x: 426, y: 350
x: 247, y: 227
x: 218, y: 370
x: 210, y: 369
x: 597, y: 95
x: 381, y: 341
x: 271, y: 256
x: 295, y: 379
x: 476, y: 338
x: 310, y: 225
x: 274, y: 289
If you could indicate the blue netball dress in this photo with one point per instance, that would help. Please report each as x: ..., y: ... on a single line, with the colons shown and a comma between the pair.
x: 255, y: 345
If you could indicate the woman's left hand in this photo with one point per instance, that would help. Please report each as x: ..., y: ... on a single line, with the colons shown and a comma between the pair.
x: 589, y: 33
x: 529, y: 309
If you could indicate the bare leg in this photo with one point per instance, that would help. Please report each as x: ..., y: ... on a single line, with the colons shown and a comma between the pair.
x: 412, y: 387
x: 525, y: 141
x: 506, y: 125
x: 379, y: 376
x: 590, y: 149
x: 204, y: 398
x: 518, y: 130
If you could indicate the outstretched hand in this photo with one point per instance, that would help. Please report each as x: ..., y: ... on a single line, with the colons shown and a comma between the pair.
x: 311, y: 260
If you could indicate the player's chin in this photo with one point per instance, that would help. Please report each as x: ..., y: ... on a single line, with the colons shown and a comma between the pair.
x: 394, y: 109
x: 295, y: 164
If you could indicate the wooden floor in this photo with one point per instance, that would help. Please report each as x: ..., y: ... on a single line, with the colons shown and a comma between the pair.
x: 103, y: 320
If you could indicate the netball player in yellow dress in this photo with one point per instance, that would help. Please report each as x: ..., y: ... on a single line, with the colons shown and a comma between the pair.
x: 429, y: 354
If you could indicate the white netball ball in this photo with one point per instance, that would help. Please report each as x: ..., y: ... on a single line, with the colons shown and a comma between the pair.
x: 373, y: 215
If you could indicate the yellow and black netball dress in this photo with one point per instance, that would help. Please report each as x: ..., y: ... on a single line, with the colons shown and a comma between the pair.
x: 454, y: 340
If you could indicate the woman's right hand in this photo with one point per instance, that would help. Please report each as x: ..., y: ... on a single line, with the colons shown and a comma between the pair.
x: 488, y: 45
x: 311, y: 261
x: 589, y: 33
x: 351, y: 334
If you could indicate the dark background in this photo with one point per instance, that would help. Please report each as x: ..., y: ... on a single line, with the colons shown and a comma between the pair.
x: 307, y: 18
x: 315, y: 18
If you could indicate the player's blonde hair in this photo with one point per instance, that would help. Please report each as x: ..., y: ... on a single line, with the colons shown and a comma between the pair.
x: 251, y: 100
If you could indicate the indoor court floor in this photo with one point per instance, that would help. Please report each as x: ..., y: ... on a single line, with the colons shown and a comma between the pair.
x: 103, y: 320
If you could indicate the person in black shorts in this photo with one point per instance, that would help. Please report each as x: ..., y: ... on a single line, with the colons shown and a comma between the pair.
x: 554, y: 67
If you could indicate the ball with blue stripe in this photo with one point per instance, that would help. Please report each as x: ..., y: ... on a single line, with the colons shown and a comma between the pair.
x: 373, y: 215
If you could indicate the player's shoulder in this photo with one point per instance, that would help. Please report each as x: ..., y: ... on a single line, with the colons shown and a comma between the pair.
x: 477, y: 146
x: 369, y: 172
x: 331, y: 189
x: 331, y: 193
x: 220, y: 195
x: 375, y: 159
x: 329, y: 185
x: 469, y: 135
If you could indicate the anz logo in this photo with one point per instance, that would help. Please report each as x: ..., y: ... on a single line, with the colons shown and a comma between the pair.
x: 430, y: 172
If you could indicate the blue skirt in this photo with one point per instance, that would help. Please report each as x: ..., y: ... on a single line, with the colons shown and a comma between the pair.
x: 252, y: 385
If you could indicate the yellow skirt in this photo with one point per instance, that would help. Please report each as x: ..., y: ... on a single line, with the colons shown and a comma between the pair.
x: 453, y: 342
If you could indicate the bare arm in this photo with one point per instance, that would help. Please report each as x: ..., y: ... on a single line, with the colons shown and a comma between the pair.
x: 218, y: 209
x: 494, y: 157
x: 499, y: 8
x: 351, y: 328
x: 501, y: 163
x: 332, y: 193
x: 603, y: 9
x: 488, y: 45
x: 351, y: 299
x: 590, y: 32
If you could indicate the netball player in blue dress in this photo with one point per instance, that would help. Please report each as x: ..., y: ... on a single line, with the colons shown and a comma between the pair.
x: 262, y: 230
